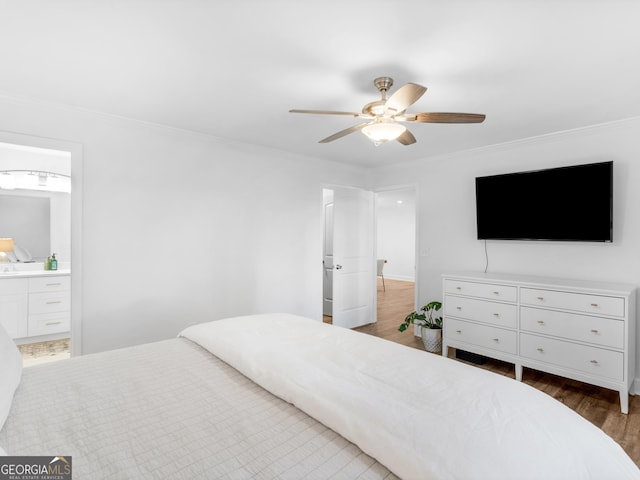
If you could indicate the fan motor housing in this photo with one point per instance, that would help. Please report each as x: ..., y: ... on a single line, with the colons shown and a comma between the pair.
x: 383, y: 83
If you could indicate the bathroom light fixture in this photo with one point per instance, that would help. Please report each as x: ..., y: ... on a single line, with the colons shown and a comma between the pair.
x: 383, y: 130
x: 35, y: 180
x: 6, y: 245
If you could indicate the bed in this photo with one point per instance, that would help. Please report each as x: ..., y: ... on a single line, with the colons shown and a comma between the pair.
x: 282, y: 396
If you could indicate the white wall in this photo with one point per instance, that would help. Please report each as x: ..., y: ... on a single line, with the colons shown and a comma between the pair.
x: 396, y: 233
x: 180, y: 228
x: 446, y: 209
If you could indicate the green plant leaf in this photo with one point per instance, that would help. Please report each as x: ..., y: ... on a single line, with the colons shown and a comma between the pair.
x: 424, y: 317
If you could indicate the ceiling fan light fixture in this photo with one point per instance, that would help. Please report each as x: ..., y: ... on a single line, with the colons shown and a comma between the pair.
x: 383, y: 131
x: 382, y: 116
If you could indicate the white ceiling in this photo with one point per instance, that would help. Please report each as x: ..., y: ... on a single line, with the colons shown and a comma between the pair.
x: 233, y: 68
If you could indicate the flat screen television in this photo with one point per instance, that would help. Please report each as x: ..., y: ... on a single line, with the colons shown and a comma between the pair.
x: 565, y: 204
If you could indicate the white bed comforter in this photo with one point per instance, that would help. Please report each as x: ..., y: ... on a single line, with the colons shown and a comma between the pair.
x: 421, y: 415
x: 171, y: 410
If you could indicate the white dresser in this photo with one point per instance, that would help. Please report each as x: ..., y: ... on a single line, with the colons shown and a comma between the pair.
x: 35, y: 304
x: 575, y: 329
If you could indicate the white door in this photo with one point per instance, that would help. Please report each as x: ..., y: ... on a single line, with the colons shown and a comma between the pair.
x: 327, y: 259
x: 354, y: 274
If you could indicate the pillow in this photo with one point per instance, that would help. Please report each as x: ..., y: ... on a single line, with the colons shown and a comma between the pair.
x: 10, y: 373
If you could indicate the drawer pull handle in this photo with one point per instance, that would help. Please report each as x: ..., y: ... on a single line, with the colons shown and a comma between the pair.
x: 458, y: 288
x: 540, y: 322
x: 459, y: 308
x: 594, y: 305
x: 496, y: 293
x: 496, y: 314
x: 595, y: 362
x: 51, y: 303
x: 541, y: 298
x: 594, y: 330
x: 497, y: 340
x: 458, y: 331
x: 540, y: 349
x: 52, y: 323
x: 53, y: 284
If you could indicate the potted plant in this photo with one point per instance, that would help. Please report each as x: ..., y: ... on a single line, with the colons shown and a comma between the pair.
x: 430, y: 326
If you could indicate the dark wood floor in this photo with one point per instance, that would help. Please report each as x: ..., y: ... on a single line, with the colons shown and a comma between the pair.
x: 598, y: 405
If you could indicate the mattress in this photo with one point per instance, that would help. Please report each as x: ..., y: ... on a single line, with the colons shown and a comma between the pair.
x: 172, y: 410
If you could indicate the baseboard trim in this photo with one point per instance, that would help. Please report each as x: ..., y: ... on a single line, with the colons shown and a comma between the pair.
x: 400, y: 278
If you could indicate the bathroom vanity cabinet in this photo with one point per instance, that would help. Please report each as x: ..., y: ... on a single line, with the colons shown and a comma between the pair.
x: 35, y: 304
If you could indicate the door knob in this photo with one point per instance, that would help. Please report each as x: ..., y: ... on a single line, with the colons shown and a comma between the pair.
x: 338, y: 267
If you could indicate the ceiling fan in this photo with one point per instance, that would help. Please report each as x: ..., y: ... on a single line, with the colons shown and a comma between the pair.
x: 384, y: 116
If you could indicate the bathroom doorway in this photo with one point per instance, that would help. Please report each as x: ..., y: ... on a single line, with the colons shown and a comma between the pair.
x: 41, y: 173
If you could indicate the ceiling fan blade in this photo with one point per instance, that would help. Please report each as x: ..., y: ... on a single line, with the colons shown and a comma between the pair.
x: 404, y: 97
x: 406, y: 138
x: 325, y: 112
x: 450, y: 117
x: 343, y: 133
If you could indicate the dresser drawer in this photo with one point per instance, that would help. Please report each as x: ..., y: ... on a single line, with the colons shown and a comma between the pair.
x: 49, y: 302
x: 49, y: 284
x: 481, y: 335
x: 606, y: 332
x: 489, y: 291
x: 579, y: 302
x: 13, y: 286
x: 498, y: 314
x: 48, y: 323
x: 583, y: 358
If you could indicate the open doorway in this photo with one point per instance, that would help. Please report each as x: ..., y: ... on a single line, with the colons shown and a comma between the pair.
x: 396, y: 253
x: 40, y: 308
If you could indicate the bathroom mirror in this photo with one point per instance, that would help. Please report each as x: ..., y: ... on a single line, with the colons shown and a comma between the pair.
x: 27, y: 219
x: 35, y: 200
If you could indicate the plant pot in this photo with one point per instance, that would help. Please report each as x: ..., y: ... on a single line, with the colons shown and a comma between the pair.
x: 432, y: 339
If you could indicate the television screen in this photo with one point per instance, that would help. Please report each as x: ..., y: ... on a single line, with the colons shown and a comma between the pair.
x: 568, y: 204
